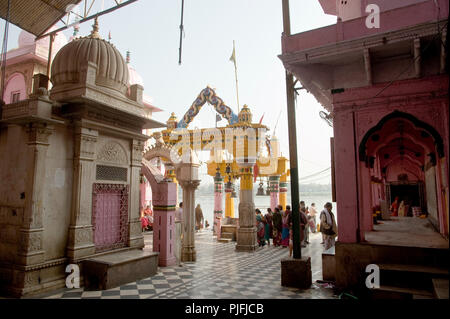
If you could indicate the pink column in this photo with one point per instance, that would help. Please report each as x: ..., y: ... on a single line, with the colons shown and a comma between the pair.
x: 164, y: 202
x: 274, y: 186
x: 218, y: 204
x: 345, y: 168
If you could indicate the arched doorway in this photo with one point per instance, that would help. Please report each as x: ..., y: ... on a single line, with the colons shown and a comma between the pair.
x: 404, y: 159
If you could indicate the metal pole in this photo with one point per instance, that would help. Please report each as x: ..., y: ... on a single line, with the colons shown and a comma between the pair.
x: 3, y: 58
x: 292, y: 127
x: 181, y: 33
x: 123, y: 4
x: 236, y: 76
x: 49, y: 61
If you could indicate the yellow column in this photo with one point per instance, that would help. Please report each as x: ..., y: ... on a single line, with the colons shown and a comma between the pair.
x: 283, y: 190
x: 246, y: 232
x: 229, y: 204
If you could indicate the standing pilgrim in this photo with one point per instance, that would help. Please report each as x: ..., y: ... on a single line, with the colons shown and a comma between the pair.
x: 328, y: 226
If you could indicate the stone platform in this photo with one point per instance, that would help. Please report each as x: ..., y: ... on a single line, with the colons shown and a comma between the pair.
x: 113, y: 270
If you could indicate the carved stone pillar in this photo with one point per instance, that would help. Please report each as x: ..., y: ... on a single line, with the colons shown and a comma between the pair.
x: 188, y: 252
x: 274, y: 191
x: 136, y: 239
x: 164, y: 232
x: 246, y: 232
x: 218, y: 204
x: 31, y: 250
x: 80, y: 242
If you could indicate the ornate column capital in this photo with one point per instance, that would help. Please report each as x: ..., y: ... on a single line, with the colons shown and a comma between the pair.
x: 85, y: 139
x: 189, y: 185
x: 38, y: 133
x: 137, y: 152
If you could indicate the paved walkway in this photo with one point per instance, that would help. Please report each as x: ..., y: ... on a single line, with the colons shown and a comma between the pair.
x: 220, y: 272
x: 407, y: 232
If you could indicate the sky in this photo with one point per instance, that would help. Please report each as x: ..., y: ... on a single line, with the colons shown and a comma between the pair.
x: 150, y: 31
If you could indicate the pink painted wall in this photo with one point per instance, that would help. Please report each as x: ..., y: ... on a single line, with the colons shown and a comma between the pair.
x: 15, y: 83
x: 427, y: 102
x: 391, y: 20
x: 345, y: 177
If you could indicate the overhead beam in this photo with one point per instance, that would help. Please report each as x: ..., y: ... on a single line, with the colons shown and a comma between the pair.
x: 417, y: 57
x: 87, y: 18
x: 368, y: 66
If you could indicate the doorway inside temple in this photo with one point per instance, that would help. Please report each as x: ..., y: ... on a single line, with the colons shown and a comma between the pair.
x: 412, y: 194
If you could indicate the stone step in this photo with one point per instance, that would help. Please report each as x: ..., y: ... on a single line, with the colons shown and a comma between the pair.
x: 227, y: 235
x: 414, y: 269
x: 224, y: 240
x: 408, y: 275
x: 229, y: 228
x: 393, y: 292
x: 440, y: 288
x: 116, y: 269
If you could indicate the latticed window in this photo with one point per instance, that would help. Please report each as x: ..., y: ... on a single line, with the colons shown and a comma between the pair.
x: 110, y: 216
x: 111, y: 173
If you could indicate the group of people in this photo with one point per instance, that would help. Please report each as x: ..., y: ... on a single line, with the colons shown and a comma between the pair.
x: 400, y: 208
x: 147, y: 219
x: 277, y: 226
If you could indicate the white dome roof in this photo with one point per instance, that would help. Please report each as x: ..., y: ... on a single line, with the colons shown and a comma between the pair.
x: 134, y: 76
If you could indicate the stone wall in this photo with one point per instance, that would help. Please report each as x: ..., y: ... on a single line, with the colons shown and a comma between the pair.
x: 12, y: 190
x: 58, y: 192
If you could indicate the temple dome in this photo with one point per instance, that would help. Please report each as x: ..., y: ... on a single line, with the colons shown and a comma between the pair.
x: 112, y: 71
x: 245, y: 115
x: 172, y: 121
x: 134, y: 76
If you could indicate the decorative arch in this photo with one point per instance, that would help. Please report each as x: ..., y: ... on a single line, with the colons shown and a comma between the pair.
x: 163, y: 151
x: 16, y: 83
x: 396, y: 136
x: 402, y: 115
x: 207, y: 95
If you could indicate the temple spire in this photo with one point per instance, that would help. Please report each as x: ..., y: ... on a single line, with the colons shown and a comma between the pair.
x: 94, y: 32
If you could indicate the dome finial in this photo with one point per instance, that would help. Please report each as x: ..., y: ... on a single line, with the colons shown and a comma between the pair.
x: 94, y: 32
x: 128, y: 57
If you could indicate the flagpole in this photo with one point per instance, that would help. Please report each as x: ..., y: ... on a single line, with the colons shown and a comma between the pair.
x: 236, y: 76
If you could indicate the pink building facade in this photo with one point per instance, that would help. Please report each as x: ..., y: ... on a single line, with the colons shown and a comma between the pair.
x: 386, y: 89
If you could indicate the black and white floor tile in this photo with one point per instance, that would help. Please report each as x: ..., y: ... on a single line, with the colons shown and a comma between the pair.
x: 220, y: 272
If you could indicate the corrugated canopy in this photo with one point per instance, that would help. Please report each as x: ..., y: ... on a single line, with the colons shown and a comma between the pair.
x: 35, y: 16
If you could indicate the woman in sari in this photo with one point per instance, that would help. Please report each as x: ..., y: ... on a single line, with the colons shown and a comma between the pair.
x: 402, y: 209
x: 268, y: 226
x: 277, y: 227
x: 394, y: 207
x: 260, y: 228
x: 144, y: 221
x: 285, y: 234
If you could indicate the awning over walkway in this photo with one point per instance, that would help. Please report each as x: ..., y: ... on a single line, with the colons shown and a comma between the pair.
x: 35, y: 16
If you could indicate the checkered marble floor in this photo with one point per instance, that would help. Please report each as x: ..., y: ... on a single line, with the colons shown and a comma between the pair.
x: 220, y: 272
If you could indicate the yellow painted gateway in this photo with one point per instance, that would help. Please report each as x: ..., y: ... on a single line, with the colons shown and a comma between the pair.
x: 240, y: 142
